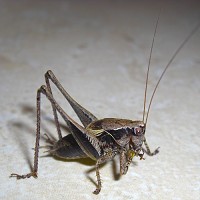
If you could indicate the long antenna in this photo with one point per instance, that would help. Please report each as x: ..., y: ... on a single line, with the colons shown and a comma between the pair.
x: 170, y: 61
x: 149, y: 63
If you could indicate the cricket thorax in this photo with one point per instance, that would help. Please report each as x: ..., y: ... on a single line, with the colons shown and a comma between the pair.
x: 117, y: 134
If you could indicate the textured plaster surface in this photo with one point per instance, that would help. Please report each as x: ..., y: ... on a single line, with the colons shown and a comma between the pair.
x: 99, y: 51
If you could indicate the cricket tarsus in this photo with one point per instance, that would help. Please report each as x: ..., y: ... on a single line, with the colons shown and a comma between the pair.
x: 34, y: 174
x: 98, y: 189
x: 148, y: 151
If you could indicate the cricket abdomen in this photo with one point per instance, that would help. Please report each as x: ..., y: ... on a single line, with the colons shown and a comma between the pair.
x: 67, y: 148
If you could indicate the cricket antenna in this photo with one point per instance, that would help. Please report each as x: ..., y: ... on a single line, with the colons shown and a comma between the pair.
x: 149, y: 63
x: 165, y: 69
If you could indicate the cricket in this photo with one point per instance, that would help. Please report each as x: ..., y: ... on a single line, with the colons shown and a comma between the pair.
x: 99, y: 139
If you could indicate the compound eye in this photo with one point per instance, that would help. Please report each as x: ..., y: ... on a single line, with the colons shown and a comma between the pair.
x: 139, y: 130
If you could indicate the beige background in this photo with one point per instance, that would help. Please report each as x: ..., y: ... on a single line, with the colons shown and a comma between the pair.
x: 99, y: 51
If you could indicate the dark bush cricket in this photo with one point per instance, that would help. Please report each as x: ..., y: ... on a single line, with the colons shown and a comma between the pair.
x: 100, y: 140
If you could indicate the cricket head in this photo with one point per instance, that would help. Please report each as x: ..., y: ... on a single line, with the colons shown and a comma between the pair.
x: 138, y: 136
